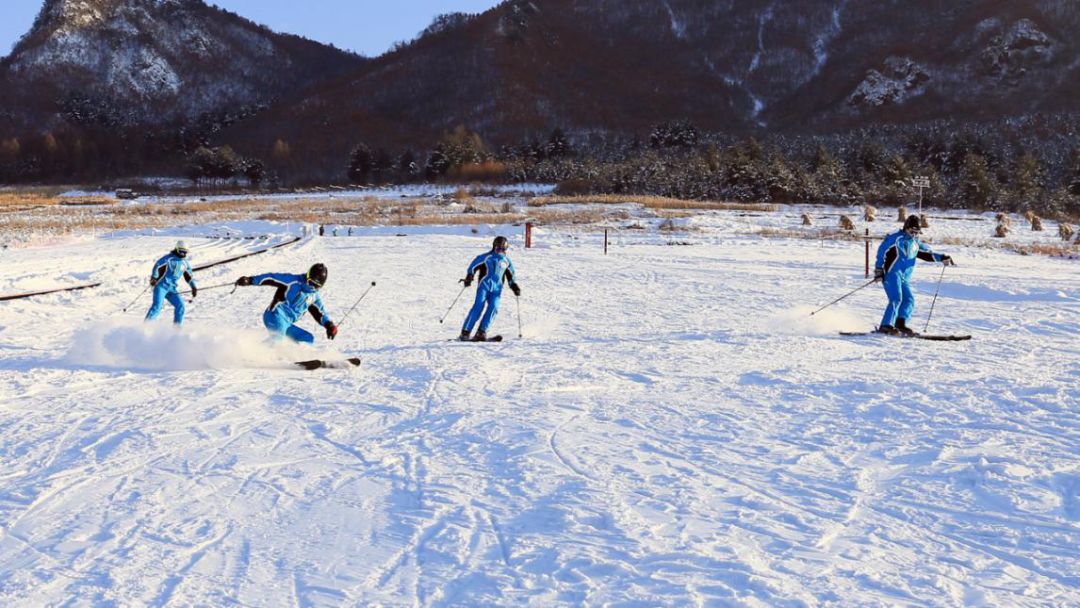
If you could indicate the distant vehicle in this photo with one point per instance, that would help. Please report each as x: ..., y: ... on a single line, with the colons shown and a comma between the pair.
x: 126, y: 194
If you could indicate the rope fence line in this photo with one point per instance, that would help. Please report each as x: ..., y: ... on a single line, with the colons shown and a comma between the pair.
x: 23, y: 296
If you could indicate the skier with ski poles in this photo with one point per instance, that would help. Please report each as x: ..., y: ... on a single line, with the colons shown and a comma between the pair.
x: 492, y: 268
x: 165, y: 278
x: 296, y: 294
x: 896, y: 258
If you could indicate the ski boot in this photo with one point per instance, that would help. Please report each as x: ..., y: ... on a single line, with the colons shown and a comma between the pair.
x: 481, y: 336
x: 904, y: 330
x: 464, y: 337
x: 888, y: 330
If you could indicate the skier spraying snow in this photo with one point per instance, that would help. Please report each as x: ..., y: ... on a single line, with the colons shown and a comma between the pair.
x: 492, y: 268
x: 165, y: 278
x: 895, y: 262
x: 296, y: 293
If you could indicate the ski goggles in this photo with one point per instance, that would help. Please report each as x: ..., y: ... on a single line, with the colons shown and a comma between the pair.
x: 313, y: 283
x: 181, y: 253
x: 502, y: 249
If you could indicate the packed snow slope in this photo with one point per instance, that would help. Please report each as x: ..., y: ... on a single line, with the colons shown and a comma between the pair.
x: 672, y: 430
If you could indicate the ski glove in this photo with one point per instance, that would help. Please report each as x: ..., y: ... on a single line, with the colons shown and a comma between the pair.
x: 331, y: 331
x: 514, y: 288
x: 948, y: 261
x: 153, y: 282
x: 467, y: 281
x: 194, y: 291
x: 244, y: 281
x: 879, y: 274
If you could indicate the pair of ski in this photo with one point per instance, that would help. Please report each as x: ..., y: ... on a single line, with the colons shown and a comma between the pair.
x: 936, y: 338
x: 315, y: 364
x: 491, y: 339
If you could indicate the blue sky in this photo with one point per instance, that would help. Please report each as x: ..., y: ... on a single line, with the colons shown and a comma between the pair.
x: 364, y: 26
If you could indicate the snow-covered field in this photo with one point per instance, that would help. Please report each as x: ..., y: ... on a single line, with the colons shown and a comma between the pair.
x: 672, y: 430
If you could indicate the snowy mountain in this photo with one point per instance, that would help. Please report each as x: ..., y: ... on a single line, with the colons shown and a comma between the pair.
x: 138, y: 61
x: 528, y: 66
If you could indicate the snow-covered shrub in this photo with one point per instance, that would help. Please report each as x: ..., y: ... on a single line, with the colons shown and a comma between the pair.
x: 1036, y: 223
x: 806, y: 221
x: 869, y: 213
x: 1001, y: 231
x: 846, y: 223
x: 901, y: 215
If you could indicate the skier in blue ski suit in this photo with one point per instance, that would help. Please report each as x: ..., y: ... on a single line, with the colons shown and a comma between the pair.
x: 165, y: 278
x: 493, y: 268
x: 896, y: 258
x: 295, y: 295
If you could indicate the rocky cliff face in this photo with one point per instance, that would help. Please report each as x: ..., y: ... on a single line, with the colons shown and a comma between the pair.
x: 528, y: 66
x: 732, y: 65
x: 135, y: 61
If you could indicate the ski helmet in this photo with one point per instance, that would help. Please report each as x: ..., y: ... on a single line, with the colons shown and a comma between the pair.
x: 180, y: 250
x: 500, y: 244
x: 316, y: 276
x: 911, y: 224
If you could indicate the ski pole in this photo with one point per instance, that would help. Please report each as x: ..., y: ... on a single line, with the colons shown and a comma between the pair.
x: 850, y: 293
x: 518, y: 298
x: 362, y: 296
x: 452, y: 304
x: 137, y: 298
x: 201, y: 289
x: 936, y: 291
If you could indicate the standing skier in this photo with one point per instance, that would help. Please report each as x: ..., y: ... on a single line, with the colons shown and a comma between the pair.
x: 165, y: 278
x: 296, y: 293
x: 494, y: 267
x: 895, y: 262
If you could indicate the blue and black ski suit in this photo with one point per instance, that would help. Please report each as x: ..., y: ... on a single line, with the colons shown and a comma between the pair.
x: 166, y: 277
x: 896, y: 259
x: 293, y: 297
x: 494, y: 268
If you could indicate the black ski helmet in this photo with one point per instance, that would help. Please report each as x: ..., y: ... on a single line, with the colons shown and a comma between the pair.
x: 500, y: 242
x: 912, y: 223
x: 316, y: 276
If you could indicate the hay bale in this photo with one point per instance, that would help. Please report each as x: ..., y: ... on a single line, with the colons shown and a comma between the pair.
x: 1001, y: 231
x: 846, y: 223
x: 1065, y: 231
x: 1036, y: 223
x: 806, y: 221
x: 869, y: 213
x: 901, y: 216
x: 924, y: 221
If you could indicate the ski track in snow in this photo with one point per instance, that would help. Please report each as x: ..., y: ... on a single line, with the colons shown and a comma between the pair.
x: 673, y: 430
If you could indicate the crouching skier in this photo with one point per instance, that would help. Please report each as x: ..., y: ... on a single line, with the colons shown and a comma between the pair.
x: 895, y: 262
x: 296, y: 293
x: 165, y: 278
x: 493, y: 267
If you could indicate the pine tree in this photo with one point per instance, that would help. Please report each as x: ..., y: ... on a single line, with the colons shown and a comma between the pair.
x: 558, y: 146
x: 361, y: 161
x: 1073, y: 178
x: 975, y: 187
x: 1028, y: 182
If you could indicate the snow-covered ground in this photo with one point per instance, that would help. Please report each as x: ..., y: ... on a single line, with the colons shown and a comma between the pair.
x: 672, y: 430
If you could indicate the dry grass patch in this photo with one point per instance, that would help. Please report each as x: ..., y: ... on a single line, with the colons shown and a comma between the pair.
x: 650, y: 202
x: 838, y: 234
